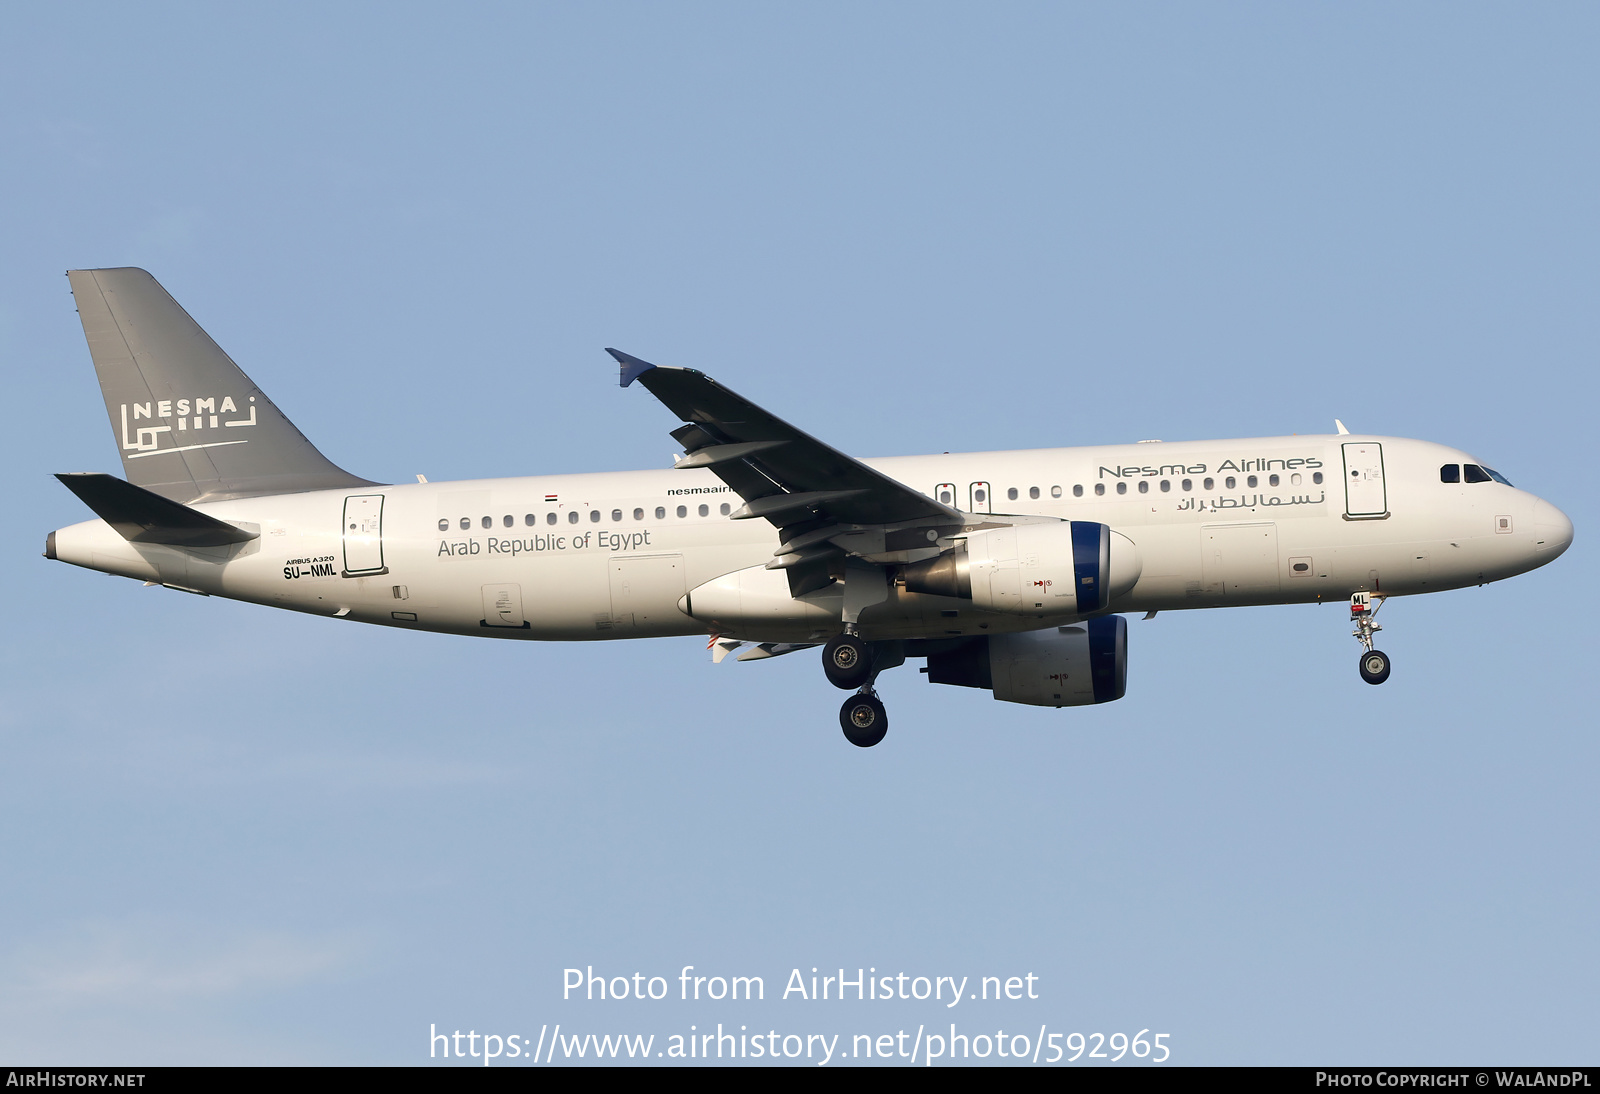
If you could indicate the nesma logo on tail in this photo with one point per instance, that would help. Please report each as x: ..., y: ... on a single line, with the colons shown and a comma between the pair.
x: 207, y: 413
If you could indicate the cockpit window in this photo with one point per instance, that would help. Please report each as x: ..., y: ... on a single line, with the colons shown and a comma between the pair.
x: 1450, y: 472
x: 1499, y: 478
x: 1476, y: 473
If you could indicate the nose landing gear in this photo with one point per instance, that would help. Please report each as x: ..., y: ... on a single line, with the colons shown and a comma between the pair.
x: 1374, y: 664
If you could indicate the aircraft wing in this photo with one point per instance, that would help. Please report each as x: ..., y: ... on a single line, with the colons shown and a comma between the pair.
x: 802, y: 486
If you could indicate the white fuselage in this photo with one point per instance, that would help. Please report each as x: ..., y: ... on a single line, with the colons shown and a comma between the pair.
x: 597, y: 556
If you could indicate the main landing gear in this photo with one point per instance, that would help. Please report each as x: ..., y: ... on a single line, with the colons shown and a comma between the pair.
x: 847, y: 661
x: 1374, y: 664
x: 863, y: 718
x: 853, y: 664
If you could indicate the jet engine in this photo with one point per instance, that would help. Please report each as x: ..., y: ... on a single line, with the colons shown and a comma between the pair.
x: 1071, y: 568
x: 1069, y: 666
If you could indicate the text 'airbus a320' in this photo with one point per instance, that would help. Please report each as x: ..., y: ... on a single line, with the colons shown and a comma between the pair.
x: 1005, y: 570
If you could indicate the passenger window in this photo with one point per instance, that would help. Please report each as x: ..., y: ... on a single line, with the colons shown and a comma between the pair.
x: 1294, y: 479
x: 1208, y: 484
x: 572, y: 517
x: 704, y: 510
x: 594, y: 516
x: 1316, y: 477
x: 1144, y: 486
x: 549, y: 518
x: 1011, y: 494
x: 529, y: 520
x: 1122, y: 488
x: 725, y: 508
x: 638, y: 514
x: 444, y: 524
x: 683, y: 510
x: 1077, y: 491
x: 1230, y: 482
x: 616, y: 515
x: 661, y: 512
x: 508, y: 520
x: 1033, y: 492
x: 1272, y: 480
x: 1252, y: 482
x: 1475, y: 473
x: 1450, y: 472
x: 1188, y: 484
x: 466, y: 523
x: 1099, y: 489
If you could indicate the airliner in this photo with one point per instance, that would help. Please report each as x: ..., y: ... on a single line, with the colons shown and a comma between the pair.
x: 1009, y: 572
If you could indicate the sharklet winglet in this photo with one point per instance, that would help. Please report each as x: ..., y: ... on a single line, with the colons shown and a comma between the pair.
x: 632, y: 367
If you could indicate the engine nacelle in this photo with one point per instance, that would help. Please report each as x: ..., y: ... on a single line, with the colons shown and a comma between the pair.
x: 1069, y: 568
x: 1071, y: 666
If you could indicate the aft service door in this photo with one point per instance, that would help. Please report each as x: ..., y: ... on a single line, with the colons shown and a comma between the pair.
x: 1365, y: 496
x: 363, y: 535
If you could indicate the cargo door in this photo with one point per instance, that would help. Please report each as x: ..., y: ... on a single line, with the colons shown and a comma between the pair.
x: 1365, y: 496
x: 1240, y: 561
x: 645, y: 590
x: 363, y: 535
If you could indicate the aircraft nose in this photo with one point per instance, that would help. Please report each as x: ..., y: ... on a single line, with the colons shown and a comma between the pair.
x: 1552, y: 530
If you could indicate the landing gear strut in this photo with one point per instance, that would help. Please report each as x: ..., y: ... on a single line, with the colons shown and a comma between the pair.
x: 863, y: 718
x: 1374, y: 664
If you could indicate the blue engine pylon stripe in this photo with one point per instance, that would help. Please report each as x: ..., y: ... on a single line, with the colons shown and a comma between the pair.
x: 1088, y: 581
x: 1108, y: 657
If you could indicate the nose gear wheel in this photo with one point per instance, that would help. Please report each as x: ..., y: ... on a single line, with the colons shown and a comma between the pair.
x: 1374, y: 666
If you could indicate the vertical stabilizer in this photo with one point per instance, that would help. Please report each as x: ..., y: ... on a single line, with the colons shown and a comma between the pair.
x: 189, y: 424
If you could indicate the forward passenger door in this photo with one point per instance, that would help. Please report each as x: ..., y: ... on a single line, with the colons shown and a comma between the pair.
x: 1365, y: 495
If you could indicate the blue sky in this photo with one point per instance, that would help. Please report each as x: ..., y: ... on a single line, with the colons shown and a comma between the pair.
x: 234, y: 835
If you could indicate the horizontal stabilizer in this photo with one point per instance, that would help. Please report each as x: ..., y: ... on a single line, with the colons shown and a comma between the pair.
x: 140, y: 516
